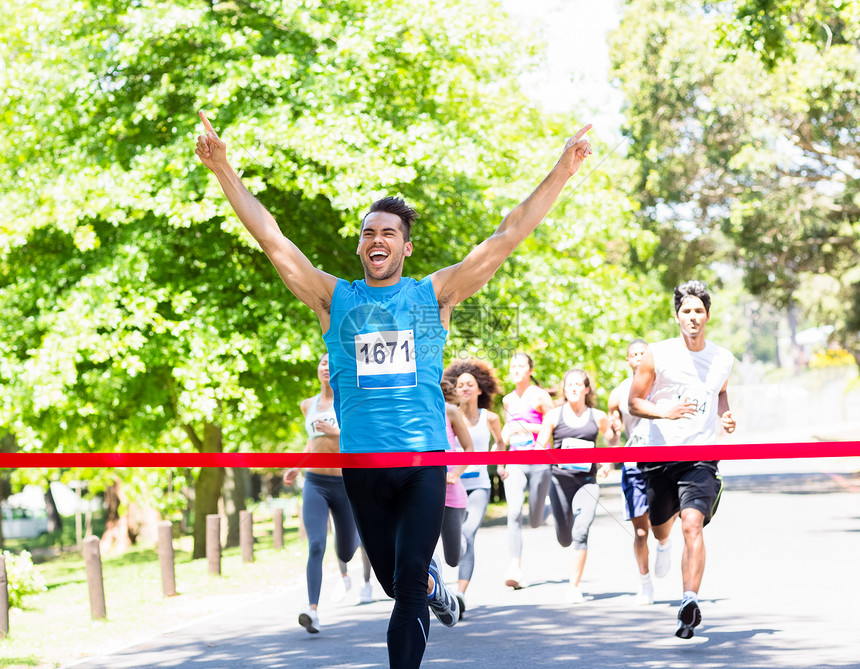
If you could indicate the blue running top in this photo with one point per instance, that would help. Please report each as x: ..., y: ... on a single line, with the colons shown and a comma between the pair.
x: 385, y: 358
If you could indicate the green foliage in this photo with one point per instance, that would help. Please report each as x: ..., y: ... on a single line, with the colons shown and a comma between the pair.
x: 22, y: 578
x: 137, y: 313
x: 743, y: 154
x: 771, y: 29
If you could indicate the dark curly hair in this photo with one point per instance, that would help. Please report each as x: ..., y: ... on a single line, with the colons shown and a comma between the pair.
x: 449, y: 390
x: 484, y: 375
x: 692, y: 289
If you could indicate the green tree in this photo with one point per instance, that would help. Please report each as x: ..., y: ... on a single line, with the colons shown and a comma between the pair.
x: 744, y: 123
x: 138, y: 313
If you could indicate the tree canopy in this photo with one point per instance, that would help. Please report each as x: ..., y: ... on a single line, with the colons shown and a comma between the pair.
x: 139, y: 314
x: 743, y: 120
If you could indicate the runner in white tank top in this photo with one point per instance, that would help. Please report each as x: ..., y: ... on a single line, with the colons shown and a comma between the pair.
x: 681, y: 386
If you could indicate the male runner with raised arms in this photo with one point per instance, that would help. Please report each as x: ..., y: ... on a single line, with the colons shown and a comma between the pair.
x: 681, y: 386
x: 386, y: 365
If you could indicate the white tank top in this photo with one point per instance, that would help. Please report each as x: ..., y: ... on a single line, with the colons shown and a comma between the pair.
x: 476, y: 476
x: 694, y: 375
x: 314, y: 414
x: 631, y: 422
x: 635, y: 428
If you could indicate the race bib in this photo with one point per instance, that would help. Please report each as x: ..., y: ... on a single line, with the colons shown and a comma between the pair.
x: 386, y: 359
x: 575, y: 442
x: 521, y: 441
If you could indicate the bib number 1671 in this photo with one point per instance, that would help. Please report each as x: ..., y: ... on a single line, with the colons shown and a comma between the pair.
x: 386, y: 359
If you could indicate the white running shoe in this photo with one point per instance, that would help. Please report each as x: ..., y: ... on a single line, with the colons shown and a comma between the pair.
x: 645, y: 595
x: 342, y: 587
x: 663, y: 560
x: 366, y: 594
x: 443, y: 603
x: 310, y: 620
x: 514, y: 577
x: 574, y: 595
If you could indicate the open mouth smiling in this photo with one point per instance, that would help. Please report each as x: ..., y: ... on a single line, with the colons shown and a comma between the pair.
x: 378, y: 256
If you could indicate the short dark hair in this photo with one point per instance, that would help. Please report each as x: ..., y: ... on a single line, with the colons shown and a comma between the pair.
x: 637, y: 341
x: 398, y: 207
x: 692, y: 289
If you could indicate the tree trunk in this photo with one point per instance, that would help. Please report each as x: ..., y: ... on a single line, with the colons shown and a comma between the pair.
x: 115, y: 539
x: 207, y: 489
x: 55, y: 523
x: 234, y: 493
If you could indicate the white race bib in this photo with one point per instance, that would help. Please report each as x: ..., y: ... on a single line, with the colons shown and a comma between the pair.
x: 386, y: 359
x: 575, y: 442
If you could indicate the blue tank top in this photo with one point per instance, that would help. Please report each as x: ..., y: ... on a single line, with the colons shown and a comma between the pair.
x: 385, y: 360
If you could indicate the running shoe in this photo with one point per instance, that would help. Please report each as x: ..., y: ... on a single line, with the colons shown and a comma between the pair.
x: 663, y: 560
x: 689, y: 616
x: 645, y: 595
x: 514, y: 577
x: 461, y: 601
x: 310, y: 620
x: 443, y: 603
x: 574, y: 595
x: 366, y: 594
x: 341, y: 588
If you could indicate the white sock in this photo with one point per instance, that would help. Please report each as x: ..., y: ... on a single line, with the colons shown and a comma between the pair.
x: 689, y: 594
x: 435, y: 586
x: 646, y: 578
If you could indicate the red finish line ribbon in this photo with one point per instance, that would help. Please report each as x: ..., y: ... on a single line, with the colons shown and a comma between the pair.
x: 809, y: 449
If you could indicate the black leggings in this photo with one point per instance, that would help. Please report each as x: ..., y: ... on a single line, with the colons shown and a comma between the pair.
x: 398, y: 512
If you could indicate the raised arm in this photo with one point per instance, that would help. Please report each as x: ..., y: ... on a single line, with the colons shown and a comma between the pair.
x: 311, y: 285
x: 456, y: 283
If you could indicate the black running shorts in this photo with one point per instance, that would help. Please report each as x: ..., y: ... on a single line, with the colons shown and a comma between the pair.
x: 683, y: 485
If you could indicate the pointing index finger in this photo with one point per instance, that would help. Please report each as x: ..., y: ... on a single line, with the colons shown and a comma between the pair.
x: 208, y: 126
x: 581, y: 132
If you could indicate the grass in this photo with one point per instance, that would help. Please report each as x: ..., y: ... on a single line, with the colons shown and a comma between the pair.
x: 55, y: 627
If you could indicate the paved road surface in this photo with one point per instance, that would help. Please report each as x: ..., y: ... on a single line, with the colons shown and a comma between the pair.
x: 781, y: 589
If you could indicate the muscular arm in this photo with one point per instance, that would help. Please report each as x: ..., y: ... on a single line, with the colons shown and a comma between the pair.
x: 638, y: 403
x: 727, y: 419
x: 311, y: 285
x: 456, y: 283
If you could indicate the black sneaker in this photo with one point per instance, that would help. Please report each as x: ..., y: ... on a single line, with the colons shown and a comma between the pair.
x: 461, y: 602
x: 689, y: 616
x: 443, y: 603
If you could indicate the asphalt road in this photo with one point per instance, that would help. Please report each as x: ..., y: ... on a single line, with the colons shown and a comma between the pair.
x: 781, y: 589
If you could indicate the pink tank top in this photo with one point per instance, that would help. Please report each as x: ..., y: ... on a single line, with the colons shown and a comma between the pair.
x: 521, y: 409
x: 455, y: 494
